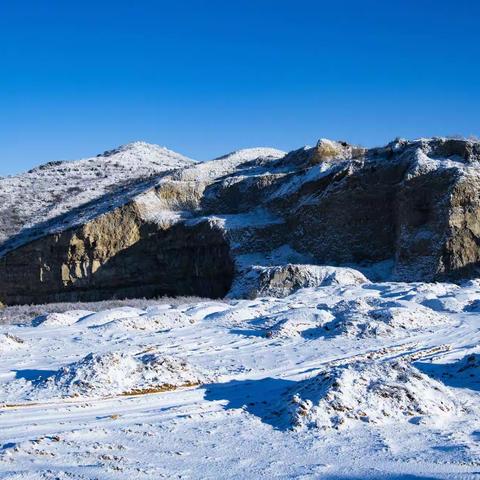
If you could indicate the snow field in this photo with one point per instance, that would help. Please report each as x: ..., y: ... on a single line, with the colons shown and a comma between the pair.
x: 363, y: 380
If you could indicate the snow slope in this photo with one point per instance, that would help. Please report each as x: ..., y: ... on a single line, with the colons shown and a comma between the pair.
x: 371, y: 380
x: 56, y: 187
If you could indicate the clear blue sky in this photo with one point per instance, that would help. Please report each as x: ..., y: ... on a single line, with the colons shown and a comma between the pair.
x: 207, y: 77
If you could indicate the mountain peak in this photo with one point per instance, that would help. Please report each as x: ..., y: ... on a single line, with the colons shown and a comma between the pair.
x: 143, y: 149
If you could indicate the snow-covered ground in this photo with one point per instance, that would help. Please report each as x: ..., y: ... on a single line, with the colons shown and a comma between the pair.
x: 368, y: 380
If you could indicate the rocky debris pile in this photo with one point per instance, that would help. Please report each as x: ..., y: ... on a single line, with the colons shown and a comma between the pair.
x: 118, y: 373
x: 376, y: 392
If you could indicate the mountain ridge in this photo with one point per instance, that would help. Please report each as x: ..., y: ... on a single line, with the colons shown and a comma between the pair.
x: 56, y: 187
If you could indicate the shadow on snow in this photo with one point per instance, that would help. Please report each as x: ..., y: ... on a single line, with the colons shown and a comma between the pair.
x: 257, y: 397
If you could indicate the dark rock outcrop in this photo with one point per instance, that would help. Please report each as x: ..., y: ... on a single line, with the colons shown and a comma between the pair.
x: 198, y: 229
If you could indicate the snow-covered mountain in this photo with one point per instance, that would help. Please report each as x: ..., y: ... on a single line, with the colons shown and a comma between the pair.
x: 56, y: 187
x: 408, y: 210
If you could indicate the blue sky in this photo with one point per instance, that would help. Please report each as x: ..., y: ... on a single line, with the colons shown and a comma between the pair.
x: 208, y: 77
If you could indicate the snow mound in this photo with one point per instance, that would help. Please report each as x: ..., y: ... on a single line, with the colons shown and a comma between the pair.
x: 161, y: 320
x: 204, y: 309
x: 240, y: 313
x: 55, y: 319
x: 9, y: 342
x: 470, y: 365
x: 412, y: 317
x: 110, y: 314
x: 283, y: 280
x: 119, y: 373
x: 462, y: 373
x: 447, y: 303
x: 297, y: 322
x: 371, y: 317
x: 368, y: 391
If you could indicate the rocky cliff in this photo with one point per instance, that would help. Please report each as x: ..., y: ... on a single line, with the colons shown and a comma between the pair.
x: 411, y: 208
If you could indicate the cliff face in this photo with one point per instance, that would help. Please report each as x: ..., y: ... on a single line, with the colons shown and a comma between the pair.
x: 202, y: 229
x: 118, y: 255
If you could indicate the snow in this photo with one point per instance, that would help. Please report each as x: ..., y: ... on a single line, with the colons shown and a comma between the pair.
x: 297, y: 322
x: 9, y: 342
x: 370, y: 316
x: 255, y: 218
x: 282, y: 280
x: 106, y: 316
x: 152, y: 321
x: 249, y: 388
x: 248, y: 154
x: 57, y: 319
x: 206, y: 172
x: 61, y: 195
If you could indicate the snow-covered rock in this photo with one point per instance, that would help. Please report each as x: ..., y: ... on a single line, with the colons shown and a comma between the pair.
x: 283, y: 280
x: 215, y: 228
x: 57, y: 187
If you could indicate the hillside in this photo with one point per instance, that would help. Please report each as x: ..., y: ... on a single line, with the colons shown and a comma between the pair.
x: 57, y: 187
x: 334, y: 343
